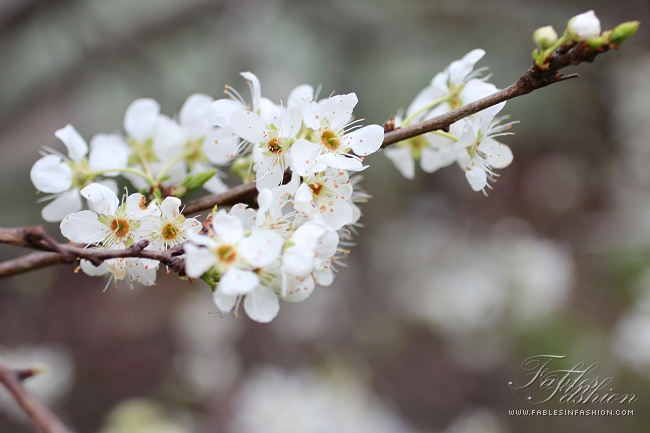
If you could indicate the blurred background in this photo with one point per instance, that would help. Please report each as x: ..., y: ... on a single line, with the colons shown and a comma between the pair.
x: 447, y: 291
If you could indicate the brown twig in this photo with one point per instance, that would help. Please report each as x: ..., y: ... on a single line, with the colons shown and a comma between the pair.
x: 34, y: 237
x: 41, y: 416
x: 535, y: 78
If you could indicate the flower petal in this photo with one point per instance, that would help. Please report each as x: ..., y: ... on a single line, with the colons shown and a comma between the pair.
x: 403, y: 160
x: 249, y: 126
x: 108, y: 151
x: 238, y: 281
x: 224, y: 302
x: 51, y: 174
x: 300, y: 289
x: 101, y: 198
x: 476, y: 177
x: 338, y: 110
x: 65, y: 204
x: 91, y: 270
x: 303, y: 155
x: 141, y: 118
x: 83, y: 227
x: 197, y: 260
x: 227, y: 227
x: 261, y: 248
x: 262, y: 305
x: 193, y: 116
x: 77, y: 147
x: 366, y: 140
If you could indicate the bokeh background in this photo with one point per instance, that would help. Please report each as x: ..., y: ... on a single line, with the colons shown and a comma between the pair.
x: 447, y: 291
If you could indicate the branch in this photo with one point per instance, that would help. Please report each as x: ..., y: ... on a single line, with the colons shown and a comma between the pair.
x: 535, y: 78
x: 35, y: 237
x: 41, y: 416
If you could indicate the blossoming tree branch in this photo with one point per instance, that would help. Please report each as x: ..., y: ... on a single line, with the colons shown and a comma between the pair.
x: 290, y: 223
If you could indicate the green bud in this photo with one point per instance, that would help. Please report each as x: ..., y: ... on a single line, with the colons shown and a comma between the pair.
x: 197, y: 181
x: 624, y: 31
x: 545, y: 37
x: 596, y: 43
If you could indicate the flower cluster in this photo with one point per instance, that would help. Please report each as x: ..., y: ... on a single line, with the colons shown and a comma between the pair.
x: 257, y: 256
x: 470, y: 142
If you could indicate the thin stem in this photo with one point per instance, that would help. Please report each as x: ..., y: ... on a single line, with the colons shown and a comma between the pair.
x: 429, y: 106
x: 169, y: 165
x: 445, y: 134
x: 124, y: 170
x: 41, y: 416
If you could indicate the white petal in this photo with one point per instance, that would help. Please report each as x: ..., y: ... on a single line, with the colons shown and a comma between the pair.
x: 141, y: 273
x: 224, y: 302
x: 101, y: 199
x: 432, y: 159
x: 303, y: 155
x: 51, y: 174
x: 238, y: 281
x: 197, y: 260
x: 498, y: 155
x: 426, y: 96
x: 300, y: 289
x: 403, y: 160
x: 262, y: 305
x: 324, y: 277
x: 366, y: 140
x: 301, y: 95
x: 338, y: 110
x: 65, y: 204
x: 83, y: 227
x: 193, y: 116
x: 337, y: 214
x: 342, y: 162
x: 311, y: 115
x: 291, y: 121
x: 298, y: 261
x: 141, y: 118
x: 108, y: 151
x: 168, y: 139
x: 221, y: 110
x: 227, y: 227
x: 170, y: 207
x: 268, y: 174
x: 475, y: 90
x: 92, y: 270
x: 460, y: 69
x: 220, y: 146
x: 327, y: 245
x: 261, y: 248
x: 136, y: 206
x: 476, y: 177
x: 249, y: 126
x: 488, y: 115
x: 77, y: 147
x: 256, y: 89
x: 245, y: 214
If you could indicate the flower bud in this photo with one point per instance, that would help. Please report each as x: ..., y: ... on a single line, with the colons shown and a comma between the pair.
x: 623, y: 32
x: 585, y: 25
x: 545, y: 37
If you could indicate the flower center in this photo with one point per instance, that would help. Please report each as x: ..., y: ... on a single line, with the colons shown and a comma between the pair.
x: 316, y: 188
x: 275, y: 145
x: 226, y: 254
x: 330, y: 139
x: 120, y: 227
x: 169, y: 232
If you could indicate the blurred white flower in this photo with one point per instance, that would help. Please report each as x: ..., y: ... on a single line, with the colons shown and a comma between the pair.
x: 271, y: 400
